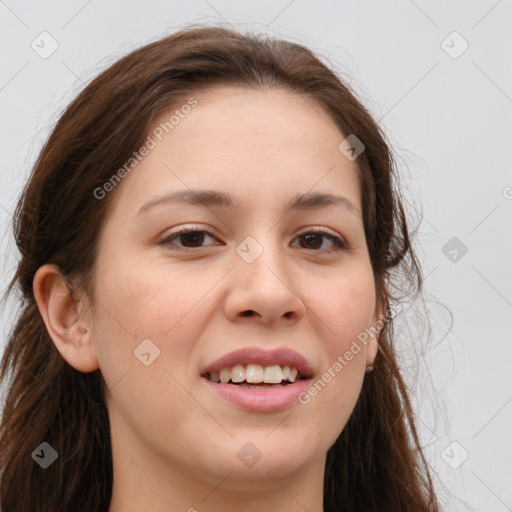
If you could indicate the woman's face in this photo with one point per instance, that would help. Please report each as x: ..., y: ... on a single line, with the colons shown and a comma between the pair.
x: 252, y: 276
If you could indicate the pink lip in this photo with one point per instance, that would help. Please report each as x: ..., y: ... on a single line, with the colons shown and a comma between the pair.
x: 261, y: 400
x: 244, y: 356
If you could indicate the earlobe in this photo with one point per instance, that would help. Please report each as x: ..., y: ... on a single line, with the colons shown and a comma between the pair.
x: 373, y: 340
x: 61, y: 314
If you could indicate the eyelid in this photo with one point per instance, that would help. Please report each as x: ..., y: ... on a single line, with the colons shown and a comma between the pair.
x: 189, y: 227
x: 321, y: 229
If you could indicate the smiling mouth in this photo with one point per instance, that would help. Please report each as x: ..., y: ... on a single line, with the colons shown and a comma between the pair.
x: 255, y: 376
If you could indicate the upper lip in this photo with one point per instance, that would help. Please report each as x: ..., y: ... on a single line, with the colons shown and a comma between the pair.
x: 255, y: 355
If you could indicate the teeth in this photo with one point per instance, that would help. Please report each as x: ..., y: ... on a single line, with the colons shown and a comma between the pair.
x: 273, y: 374
x: 255, y: 374
x: 225, y: 375
x: 238, y: 373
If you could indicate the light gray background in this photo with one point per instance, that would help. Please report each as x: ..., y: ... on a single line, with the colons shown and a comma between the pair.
x: 449, y: 120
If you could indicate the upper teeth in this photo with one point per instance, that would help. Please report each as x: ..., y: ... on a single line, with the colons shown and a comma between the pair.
x: 255, y: 373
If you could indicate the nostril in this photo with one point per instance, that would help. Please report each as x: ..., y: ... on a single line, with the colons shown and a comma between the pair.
x: 249, y: 312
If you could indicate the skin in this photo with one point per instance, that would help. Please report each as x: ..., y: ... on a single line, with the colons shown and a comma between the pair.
x: 175, y: 442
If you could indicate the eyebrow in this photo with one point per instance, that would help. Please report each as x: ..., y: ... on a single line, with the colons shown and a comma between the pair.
x: 214, y: 198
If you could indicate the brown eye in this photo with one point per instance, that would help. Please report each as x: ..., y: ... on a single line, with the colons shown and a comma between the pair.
x: 193, y: 237
x: 314, y: 240
x: 188, y: 238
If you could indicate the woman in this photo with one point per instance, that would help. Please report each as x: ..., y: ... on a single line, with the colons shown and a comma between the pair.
x: 208, y: 241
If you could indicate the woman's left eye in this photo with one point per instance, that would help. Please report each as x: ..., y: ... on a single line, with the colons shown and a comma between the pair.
x: 313, y: 239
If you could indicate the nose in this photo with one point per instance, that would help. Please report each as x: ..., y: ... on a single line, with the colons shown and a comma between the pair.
x: 264, y: 289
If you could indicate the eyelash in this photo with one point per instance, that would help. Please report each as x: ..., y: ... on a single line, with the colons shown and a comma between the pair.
x: 338, y: 242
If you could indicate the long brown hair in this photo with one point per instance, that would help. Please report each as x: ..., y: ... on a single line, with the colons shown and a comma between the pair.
x: 376, y: 464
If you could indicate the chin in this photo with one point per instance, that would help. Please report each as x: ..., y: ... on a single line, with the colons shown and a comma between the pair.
x: 264, y: 453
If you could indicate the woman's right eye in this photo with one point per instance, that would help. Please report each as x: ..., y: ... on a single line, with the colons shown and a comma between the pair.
x: 194, y: 237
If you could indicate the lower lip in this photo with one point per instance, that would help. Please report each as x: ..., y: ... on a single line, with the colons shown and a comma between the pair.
x: 263, y: 400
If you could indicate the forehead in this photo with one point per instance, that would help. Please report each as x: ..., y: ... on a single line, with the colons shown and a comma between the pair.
x: 257, y: 142
x: 231, y: 113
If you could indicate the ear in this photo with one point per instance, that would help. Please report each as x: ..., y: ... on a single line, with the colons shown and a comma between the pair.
x: 375, y: 328
x: 64, y: 320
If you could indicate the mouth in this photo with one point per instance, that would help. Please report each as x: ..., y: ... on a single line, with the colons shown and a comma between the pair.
x: 259, y: 380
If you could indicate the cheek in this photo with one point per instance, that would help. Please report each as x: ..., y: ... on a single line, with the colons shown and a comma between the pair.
x: 348, y: 307
x: 144, y: 297
x: 137, y: 305
x: 140, y: 302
